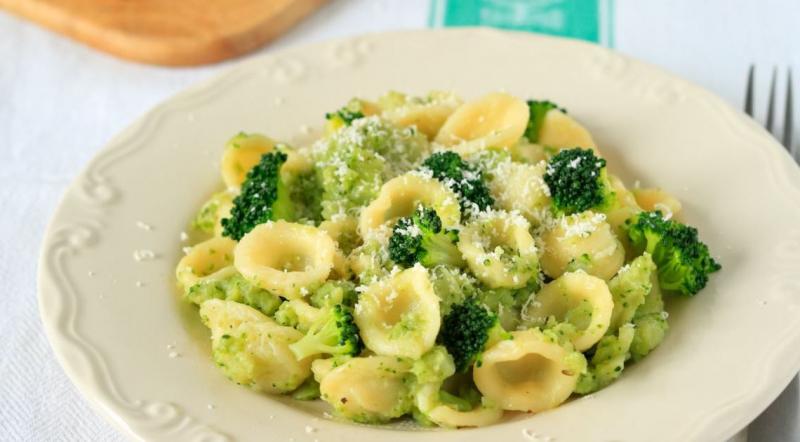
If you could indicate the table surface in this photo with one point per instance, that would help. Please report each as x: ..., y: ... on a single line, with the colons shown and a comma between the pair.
x: 60, y: 102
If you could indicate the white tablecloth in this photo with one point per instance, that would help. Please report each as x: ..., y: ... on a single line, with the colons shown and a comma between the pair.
x: 60, y: 102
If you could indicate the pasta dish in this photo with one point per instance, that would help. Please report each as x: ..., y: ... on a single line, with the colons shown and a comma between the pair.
x: 435, y: 258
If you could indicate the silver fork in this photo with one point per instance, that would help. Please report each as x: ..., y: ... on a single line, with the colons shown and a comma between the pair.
x: 788, y: 113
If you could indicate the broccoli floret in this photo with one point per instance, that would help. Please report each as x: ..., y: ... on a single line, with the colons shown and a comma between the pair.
x: 538, y: 110
x: 298, y: 314
x: 234, y: 288
x: 264, y: 197
x: 578, y: 181
x: 344, y: 116
x: 462, y: 178
x: 336, y: 333
x: 683, y: 261
x: 421, y: 238
x: 334, y: 292
x: 467, y: 330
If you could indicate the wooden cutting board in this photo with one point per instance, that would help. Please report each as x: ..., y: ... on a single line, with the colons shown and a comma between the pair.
x: 167, y: 32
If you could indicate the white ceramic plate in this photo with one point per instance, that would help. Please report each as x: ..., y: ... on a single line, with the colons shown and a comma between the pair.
x: 115, y: 322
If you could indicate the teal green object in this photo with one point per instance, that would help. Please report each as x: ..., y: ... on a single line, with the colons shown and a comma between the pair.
x: 590, y: 20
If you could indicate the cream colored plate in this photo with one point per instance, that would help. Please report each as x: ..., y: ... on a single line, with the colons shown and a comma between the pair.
x: 114, y: 321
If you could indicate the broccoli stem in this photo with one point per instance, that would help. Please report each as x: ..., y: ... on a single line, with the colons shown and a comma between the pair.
x: 441, y: 250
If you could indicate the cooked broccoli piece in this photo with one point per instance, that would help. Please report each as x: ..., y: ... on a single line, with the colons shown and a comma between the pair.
x: 234, y: 288
x: 334, y: 292
x: 538, y: 109
x: 344, y: 116
x: 349, y: 173
x: 629, y: 289
x: 452, y: 286
x: 608, y: 361
x: 298, y: 314
x: 307, y: 391
x: 371, y: 261
x: 208, y: 215
x: 462, y: 178
x: 578, y: 181
x: 508, y: 303
x: 420, y: 238
x: 683, y: 261
x: 264, y: 197
x: 468, y: 330
x: 336, y: 333
x: 305, y: 193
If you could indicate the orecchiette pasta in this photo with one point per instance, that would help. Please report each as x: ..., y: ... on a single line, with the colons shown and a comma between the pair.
x: 209, y: 259
x: 530, y: 372
x: 578, y: 298
x: 494, y: 120
x: 366, y: 389
x: 242, y: 152
x: 344, y: 231
x: 560, y: 131
x: 399, y: 316
x: 499, y: 249
x: 521, y: 187
x: 658, y: 199
x: 285, y: 258
x: 427, y: 114
x: 400, y: 196
x: 582, y: 241
x: 253, y: 350
x: 446, y: 416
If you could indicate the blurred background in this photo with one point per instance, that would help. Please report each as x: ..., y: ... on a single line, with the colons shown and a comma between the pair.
x: 63, y: 96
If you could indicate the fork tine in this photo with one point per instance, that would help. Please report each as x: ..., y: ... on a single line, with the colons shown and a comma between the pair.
x: 771, y: 105
x: 788, y: 115
x: 748, y: 95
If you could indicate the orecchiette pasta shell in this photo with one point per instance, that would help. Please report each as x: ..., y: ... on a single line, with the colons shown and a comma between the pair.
x: 584, y: 239
x: 400, y: 196
x: 658, y: 199
x: 570, y: 291
x: 221, y: 316
x: 527, y: 152
x: 527, y: 373
x: 344, y: 231
x: 399, y: 316
x: 494, y: 120
x: 499, y: 250
x: 285, y: 258
x: 242, y: 152
x: 427, y: 401
x: 209, y: 259
x: 368, y: 389
x: 428, y: 116
x: 521, y: 187
x: 252, y: 349
x: 561, y: 131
